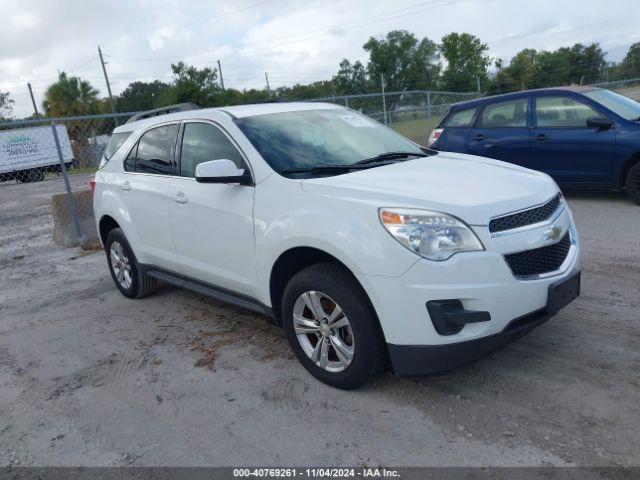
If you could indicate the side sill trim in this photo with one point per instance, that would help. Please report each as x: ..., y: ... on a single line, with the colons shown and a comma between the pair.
x: 212, y: 291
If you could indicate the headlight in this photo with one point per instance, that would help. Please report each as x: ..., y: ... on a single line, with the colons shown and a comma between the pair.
x: 432, y: 235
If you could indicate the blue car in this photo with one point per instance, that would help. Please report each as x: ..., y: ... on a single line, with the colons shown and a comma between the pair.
x: 583, y: 137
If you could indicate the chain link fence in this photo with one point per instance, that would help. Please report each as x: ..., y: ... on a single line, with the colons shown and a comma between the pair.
x: 45, y: 165
x: 413, y: 114
x: 48, y: 160
x: 629, y: 87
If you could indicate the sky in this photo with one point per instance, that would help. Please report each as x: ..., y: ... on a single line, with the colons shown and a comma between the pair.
x: 294, y: 41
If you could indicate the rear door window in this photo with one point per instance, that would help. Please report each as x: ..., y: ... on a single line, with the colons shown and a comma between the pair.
x: 510, y: 113
x: 462, y: 118
x: 155, y: 150
x: 561, y: 111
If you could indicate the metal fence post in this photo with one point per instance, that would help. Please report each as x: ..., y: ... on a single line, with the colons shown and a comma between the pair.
x: 346, y: 102
x: 384, y: 100
x: 63, y: 169
x: 429, y: 125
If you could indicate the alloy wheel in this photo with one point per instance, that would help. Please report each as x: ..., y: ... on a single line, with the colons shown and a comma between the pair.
x: 120, y: 264
x: 323, y: 331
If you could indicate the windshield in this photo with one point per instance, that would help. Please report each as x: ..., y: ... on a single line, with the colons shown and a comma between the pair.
x: 619, y: 104
x: 316, y: 138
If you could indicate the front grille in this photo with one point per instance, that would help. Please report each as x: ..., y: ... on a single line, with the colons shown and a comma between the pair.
x: 539, y: 260
x: 526, y: 217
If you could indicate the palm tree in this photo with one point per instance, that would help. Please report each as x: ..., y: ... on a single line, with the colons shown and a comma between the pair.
x: 70, y: 96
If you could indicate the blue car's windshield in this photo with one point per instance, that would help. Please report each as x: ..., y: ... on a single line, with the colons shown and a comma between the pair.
x: 619, y: 104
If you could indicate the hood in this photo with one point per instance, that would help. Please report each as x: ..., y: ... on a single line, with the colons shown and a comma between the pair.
x: 472, y: 188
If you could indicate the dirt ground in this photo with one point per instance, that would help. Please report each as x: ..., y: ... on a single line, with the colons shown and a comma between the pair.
x: 90, y: 378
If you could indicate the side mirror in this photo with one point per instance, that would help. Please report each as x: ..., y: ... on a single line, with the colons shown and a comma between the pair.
x: 601, y: 123
x: 221, y: 171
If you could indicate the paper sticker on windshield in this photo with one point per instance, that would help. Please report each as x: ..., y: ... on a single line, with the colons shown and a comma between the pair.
x: 357, y: 121
x: 312, y: 135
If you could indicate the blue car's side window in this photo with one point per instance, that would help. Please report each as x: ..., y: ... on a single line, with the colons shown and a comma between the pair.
x: 562, y: 111
x: 510, y: 113
x: 463, y: 118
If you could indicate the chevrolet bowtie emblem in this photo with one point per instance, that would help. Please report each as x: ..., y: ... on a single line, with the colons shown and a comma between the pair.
x: 553, y: 233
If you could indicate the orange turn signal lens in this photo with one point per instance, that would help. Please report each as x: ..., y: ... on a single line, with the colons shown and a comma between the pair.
x: 390, y: 218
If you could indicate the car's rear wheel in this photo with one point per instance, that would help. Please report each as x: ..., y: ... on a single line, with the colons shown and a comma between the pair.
x: 125, y: 271
x: 331, y: 327
x: 632, y: 183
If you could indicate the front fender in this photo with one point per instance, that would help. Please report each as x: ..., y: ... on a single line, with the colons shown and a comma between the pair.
x: 347, y: 229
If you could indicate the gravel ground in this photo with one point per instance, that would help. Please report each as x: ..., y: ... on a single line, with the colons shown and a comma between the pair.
x: 88, y: 377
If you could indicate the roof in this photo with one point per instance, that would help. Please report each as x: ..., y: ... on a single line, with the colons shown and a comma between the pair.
x: 236, y: 111
x: 570, y: 88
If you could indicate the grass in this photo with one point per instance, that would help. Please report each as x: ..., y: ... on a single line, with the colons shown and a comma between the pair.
x: 417, y: 130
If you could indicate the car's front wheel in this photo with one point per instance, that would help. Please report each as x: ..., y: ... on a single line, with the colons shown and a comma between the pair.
x: 331, y: 327
x: 125, y: 271
x: 632, y: 183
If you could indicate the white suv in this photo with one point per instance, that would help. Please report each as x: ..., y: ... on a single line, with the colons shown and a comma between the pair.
x: 365, y: 247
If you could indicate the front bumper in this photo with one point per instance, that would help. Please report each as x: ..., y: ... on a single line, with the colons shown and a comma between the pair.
x: 428, y: 359
x: 479, y: 283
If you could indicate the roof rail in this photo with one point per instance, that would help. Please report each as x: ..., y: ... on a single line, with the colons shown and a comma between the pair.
x: 179, y: 107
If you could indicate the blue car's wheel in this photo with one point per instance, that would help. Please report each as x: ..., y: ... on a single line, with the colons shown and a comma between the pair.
x: 633, y: 183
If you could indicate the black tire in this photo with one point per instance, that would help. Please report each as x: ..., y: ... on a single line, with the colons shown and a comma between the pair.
x: 632, y: 183
x: 141, y: 283
x: 37, y: 175
x: 369, y: 353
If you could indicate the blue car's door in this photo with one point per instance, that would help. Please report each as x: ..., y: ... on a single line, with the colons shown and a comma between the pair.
x: 502, y: 132
x: 564, y: 147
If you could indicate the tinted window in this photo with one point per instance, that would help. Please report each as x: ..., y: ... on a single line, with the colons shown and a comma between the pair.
x: 115, y: 142
x: 130, y: 162
x: 463, y: 118
x: 155, y: 150
x: 203, y: 142
x: 512, y: 113
x: 562, y: 112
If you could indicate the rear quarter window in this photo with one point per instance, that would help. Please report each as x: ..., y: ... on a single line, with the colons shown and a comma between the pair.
x: 461, y: 118
x: 115, y: 142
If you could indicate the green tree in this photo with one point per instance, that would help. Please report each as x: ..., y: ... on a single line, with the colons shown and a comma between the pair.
x: 191, y: 84
x: 351, y: 78
x: 6, y: 105
x: 466, y: 61
x: 405, y: 62
x: 630, y: 66
x: 70, y: 96
x: 139, y: 96
x: 518, y: 75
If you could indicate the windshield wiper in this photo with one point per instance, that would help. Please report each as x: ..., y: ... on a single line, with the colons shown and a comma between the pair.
x: 325, y: 169
x: 382, y: 159
x: 390, y: 156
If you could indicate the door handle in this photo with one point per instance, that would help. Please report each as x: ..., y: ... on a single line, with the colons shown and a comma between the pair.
x: 126, y: 186
x: 179, y: 197
x: 541, y: 138
x: 480, y: 137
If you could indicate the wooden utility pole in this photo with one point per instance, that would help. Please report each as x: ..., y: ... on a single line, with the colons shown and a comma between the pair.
x: 221, y: 79
x: 33, y: 100
x: 106, y: 79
